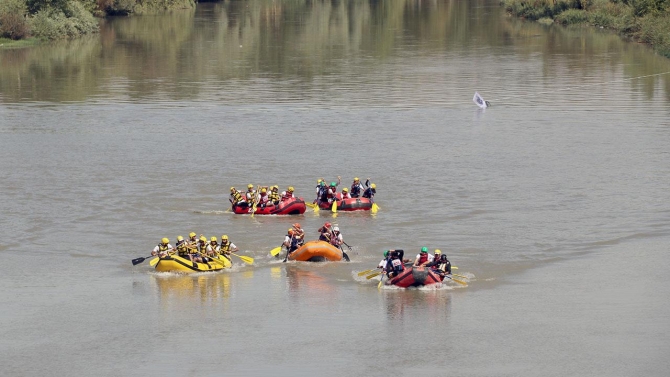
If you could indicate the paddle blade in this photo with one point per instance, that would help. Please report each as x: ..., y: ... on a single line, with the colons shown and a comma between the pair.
x: 454, y: 268
x: 137, y: 261
x: 461, y: 276
x: 459, y: 281
x: 365, y: 272
x: 334, y: 207
x: 274, y: 252
x: 375, y: 208
x: 154, y: 262
x: 245, y: 259
x: 381, y: 282
x: 310, y: 205
x: 373, y: 275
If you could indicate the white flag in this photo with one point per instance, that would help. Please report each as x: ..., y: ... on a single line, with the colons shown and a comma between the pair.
x: 479, y: 101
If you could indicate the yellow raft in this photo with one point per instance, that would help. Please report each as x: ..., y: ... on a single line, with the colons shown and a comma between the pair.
x: 316, y: 251
x: 174, y: 263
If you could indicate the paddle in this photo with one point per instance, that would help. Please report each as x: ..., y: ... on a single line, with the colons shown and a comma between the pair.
x: 154, y: 262
x: 456, y: 280
x: 375, y: 207
x: 381, y: 282
x: 373, y: 275
x: 210, y: 258
x: 461, y: 276
x: 137, y: 261
x: 245, y: 259
x: 311, y: 205
x: 346, y: 257
x: 366, y: 272
x: 274, y: 252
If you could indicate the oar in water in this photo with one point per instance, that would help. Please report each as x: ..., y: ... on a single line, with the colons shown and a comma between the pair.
x: 215, y: 260
x: 381, y: 282
x: 245, y: 259
x: 461, y: 282
x: 366, y: 272
x: 373, y: 275
x: 375, y: 207
x: 137, y: 261
x: 461, y: 276
x: 274, y: 252
x: 334, y: 206
x: 311, y: 205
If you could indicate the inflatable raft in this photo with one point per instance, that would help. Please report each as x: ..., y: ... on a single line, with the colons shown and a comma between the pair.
x: 293, y: 206
x: 353, y: 204
x: 415, y: 277
x: 174, y: 263
x: 316, y: 251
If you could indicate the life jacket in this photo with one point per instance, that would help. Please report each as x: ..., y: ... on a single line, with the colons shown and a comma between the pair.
x: 274, y: 196
x: 287, y: 195
x: 237, y: 197
x: 356, y: 190
x: 202, y: 248
x: 369, y: 193
x: 331, y: 192
x: 423, y: 258
x: 263, y: 199
x: 251, y: 196
x: 225, y: 248
x: 396, y: 266
x: 162, y: 247
x: 294, y: 242
x: 182, y: 248
x: 325, y: 236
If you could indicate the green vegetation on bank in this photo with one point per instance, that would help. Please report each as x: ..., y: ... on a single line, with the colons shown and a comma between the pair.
x: 62, y: 19
x: 646, y: 21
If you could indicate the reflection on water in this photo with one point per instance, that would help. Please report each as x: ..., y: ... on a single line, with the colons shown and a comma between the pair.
x: 433, y: 304
x: 301, y: 281
x: 306, y: 48
x: 183, y: 289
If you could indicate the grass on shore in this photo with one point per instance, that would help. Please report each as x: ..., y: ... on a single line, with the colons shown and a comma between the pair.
x: 10, y: 43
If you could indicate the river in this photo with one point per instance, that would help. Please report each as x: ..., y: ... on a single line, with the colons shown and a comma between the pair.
x: 553, y: 201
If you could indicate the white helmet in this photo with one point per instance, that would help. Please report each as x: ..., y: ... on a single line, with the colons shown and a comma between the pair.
x: 336, y: 229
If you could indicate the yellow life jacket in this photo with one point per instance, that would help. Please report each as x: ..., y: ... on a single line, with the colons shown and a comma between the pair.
x: 274, y: 196
x: 182, y: 248
x: 225, y: 248
x: 162, y: 247
x: 237, y: 197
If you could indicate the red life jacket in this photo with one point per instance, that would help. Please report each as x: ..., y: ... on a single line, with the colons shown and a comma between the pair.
x: 423, y: 258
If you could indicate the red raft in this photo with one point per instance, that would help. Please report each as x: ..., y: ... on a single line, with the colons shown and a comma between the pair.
x: 353, y: 204
x: 293, y: 206
x: 415, y: 277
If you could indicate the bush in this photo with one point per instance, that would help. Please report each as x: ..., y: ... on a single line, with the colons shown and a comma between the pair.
x: 654, y: 30
x: 572, y: 17
x: 13, y: 23
x: 74, y: 20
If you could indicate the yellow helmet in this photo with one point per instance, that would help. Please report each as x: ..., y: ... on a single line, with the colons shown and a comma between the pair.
x: 264, y: 190
x: 373, y: 186
x: 203, y: 239
x: 438, y: 251
x: 275, y: 187
x: 232, y: 189
x: 180, y: 238
x: 319, y: 180
x: 290, y: 188
x: 213, y: 239
x: 192, y: 234
x: 356, y: 179
x: 345, y: 190
x: 224, y: 237
x: 250, y: 186
x: 165, y: 240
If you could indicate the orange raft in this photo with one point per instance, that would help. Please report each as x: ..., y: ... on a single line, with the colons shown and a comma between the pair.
x: 316, y: 251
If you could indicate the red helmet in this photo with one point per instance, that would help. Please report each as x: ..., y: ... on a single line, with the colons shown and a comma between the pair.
x: 296, y: 225
x: 327, y: 225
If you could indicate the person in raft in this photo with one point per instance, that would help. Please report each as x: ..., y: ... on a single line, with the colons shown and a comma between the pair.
x: 163, y: 248
x: 370, y: 191
x: 320, y: 187
x: 182, y: 248
x: 263, y: 198
x: 395, y: 265
x: 384, y: 262
x: 440, y: 264
x: 250, y: 195
x: 356, y: 188
x: 299, y: 234
x: 288, y: 194
x: 336, y: 238
x: 345, y: 194
x: 325, y: 232
x: 227, y: 247
x: 291, y: 241
x: 331, y: 194
x: 423, y: 258
x: 236, y: 197
x: 274, y: 195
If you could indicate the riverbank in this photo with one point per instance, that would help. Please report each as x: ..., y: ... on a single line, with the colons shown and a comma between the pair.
x: 646, y: 22
x: 26, y: 20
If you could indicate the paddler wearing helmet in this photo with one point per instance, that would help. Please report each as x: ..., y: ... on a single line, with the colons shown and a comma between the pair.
x: 371, y: 189
x: 325, y: 232
x: 423, y: 258
x: 356, y: 188
x: 163, y: 248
